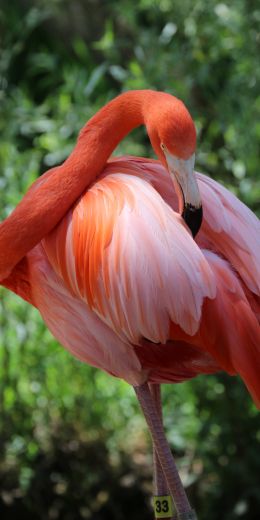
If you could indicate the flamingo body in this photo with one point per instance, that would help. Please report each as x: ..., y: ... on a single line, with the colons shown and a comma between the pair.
x: 121, y: 283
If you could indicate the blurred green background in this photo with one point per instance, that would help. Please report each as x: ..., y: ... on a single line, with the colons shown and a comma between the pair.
x: 73, y: 443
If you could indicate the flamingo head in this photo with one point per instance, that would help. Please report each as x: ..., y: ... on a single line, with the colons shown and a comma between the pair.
x: 173, y: 137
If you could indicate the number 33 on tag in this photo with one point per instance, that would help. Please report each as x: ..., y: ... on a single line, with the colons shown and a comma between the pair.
x: 163, y: 507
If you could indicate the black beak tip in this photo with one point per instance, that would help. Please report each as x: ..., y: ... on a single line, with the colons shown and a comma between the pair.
x: 193, y: 218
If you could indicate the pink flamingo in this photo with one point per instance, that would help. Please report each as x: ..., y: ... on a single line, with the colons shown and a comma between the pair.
x: 105, y: 250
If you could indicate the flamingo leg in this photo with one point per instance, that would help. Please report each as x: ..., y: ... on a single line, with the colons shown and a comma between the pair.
x: 160, y: 484
x: 183, y: 508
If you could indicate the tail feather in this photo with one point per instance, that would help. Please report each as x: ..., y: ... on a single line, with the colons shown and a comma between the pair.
x: 230, y: 330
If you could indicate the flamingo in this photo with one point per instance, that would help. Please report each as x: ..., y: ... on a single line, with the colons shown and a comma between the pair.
x: 127, y: 272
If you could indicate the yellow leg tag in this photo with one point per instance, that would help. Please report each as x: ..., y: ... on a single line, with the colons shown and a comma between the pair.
x: 163, y: 507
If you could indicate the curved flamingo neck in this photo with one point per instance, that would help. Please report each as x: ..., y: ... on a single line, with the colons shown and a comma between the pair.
x: 50, y: 197
x: 114, y: 121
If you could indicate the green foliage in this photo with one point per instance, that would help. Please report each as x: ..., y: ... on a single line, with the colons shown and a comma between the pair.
x: 60, y: 61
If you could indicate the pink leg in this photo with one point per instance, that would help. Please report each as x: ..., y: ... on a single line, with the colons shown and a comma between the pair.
x: 170, y: 471
x: 160, y: 484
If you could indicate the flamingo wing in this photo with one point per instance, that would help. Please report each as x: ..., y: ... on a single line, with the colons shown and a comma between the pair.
x: 76, y: 326
x: 231, y: 229
x: 228, y: 337
x: 125, y: 252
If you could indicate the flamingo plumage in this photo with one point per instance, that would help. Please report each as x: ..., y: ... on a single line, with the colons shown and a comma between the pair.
x: 105, y: 249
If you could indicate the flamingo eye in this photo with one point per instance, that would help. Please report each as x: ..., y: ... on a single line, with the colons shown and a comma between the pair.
x: 163, y: 147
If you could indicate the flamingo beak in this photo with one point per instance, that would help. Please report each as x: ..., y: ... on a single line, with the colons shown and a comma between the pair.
x: 186, y: 187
